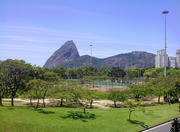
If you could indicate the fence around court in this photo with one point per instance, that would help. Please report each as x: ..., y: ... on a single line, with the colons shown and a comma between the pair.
x: 111, y: 82
x: 94, y: 82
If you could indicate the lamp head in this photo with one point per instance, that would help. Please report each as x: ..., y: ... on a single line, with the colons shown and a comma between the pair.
x: 165, y: 12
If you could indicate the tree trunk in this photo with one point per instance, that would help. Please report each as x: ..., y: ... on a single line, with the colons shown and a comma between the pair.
x: 91, y: 104
x: 84, y: 110
x: 0, y: 101
x: 159, y: 97
x: 44, y: 97
x: 37, y: 103
x: 44, y: 103
x: 115, y: 104
x: 12, y: 101
x: 130, y: 115
x: 30, y: 101
x: 61, y: 105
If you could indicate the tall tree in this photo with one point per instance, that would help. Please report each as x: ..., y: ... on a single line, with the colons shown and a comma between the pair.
x: 117, y: 72
x: 117, y: 95
x: 61, y: 91
x: 131, y: 105
x: 2, y: 88
x: 16, y: 74
x: 38, y: 86
x: 161, y: 86
x: 137, y: 91
x: 50, y: 78
x: 60, y: 71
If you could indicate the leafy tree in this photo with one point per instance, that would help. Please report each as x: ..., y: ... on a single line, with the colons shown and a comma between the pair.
x: 156, y: 85
x: 39, y: 87
x: 61, y: 91
x: 117, y: 72
x: 71, y: 73
x: 2, y: 85
x: 84, y: 99
x: 103, y: 71
x: 172, y: 94
x: 135, y: 72
x: 153, y: 73
x: 38, y: 72
x: 80, y: 95
x: 131, y: 105
x: 161, y: 86
x: 177, y: 85
x: 16, y: 74
x: 30, y: 94
x: 2, y: 88
x: 132, y: 73
x: 137, y: 91
x: 117, y: 95
x: 60, y: 71
x: 175, y: 125
x: 114, y: 96
x: 50, y: 78
x: 91, y: 95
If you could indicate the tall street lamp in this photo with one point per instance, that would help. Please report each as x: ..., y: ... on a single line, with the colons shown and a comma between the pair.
x: 165, y: 13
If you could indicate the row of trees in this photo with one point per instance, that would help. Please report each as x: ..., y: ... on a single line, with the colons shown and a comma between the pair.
x: 82, y: 72
x: 116, y: 72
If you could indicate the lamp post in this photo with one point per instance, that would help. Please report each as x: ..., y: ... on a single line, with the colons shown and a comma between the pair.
x: 165, y: 13
x: 90, y: 54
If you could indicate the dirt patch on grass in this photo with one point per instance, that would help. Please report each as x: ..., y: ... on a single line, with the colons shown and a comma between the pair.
x: 96, y: 103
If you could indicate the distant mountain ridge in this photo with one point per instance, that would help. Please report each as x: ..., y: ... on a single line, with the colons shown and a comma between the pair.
x: 68, y: 56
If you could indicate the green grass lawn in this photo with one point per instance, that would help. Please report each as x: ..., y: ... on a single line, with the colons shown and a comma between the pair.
x: 26, y: 119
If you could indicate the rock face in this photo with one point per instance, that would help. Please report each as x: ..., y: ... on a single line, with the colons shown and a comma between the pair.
x: 65, y: 54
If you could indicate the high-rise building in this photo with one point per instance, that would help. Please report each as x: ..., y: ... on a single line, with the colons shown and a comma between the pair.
x: 161, y: 59
x: 172, y: 62
x: 178, y: 57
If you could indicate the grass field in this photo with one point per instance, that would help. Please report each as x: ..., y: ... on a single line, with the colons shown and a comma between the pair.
x: 27, y: 119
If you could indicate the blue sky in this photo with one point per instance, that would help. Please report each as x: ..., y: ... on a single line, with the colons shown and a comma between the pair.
x: 33, y: 29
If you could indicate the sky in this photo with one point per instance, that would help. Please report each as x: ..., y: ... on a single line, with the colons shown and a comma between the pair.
x: 33, y: 29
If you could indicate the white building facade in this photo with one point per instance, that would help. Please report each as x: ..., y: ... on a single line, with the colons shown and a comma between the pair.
x: 172, y: 62
x: 161, y: 59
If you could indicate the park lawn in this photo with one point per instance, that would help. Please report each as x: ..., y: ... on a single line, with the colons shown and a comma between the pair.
x: 27, y: 119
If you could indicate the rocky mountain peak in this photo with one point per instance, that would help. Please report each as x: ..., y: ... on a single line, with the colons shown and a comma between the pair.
x: 64, y: 54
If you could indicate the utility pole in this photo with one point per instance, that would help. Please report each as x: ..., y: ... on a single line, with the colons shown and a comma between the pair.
x: 165, y: 46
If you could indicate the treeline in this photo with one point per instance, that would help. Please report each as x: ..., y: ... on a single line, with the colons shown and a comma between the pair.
x: 81, y: 72
x: 17, y: 78
x: 114, y: 72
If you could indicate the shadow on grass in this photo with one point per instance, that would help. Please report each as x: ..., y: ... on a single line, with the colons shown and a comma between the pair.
x: 142, y: 124
x: 43, y: 111
x: 78, y: 115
